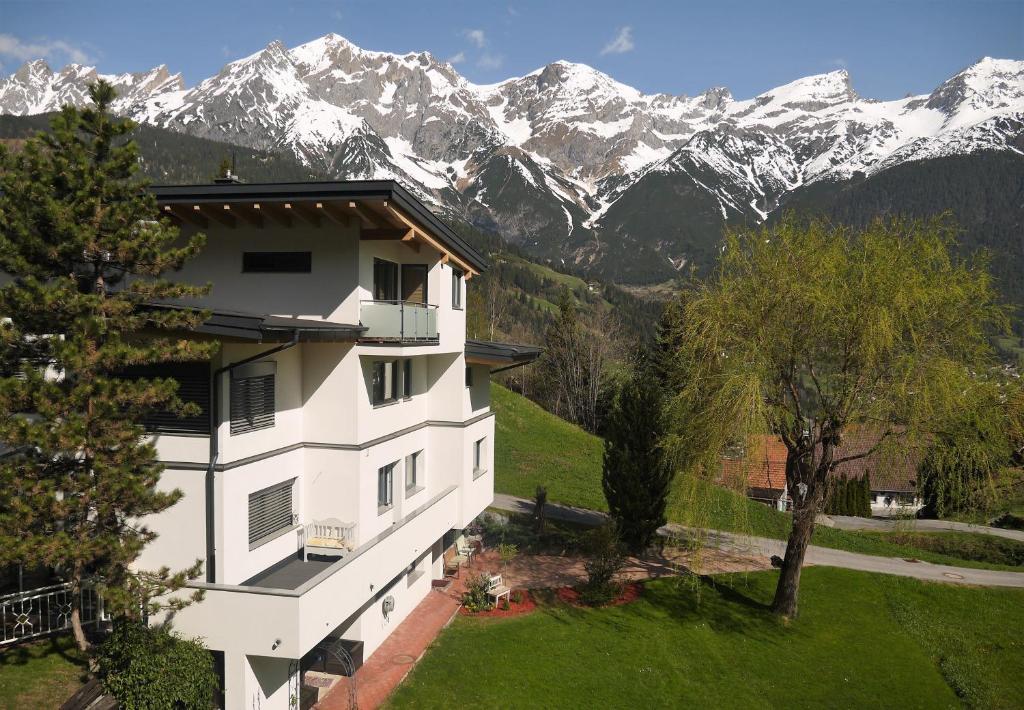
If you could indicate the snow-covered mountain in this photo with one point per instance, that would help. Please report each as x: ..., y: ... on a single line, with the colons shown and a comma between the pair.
x: 559, y: 159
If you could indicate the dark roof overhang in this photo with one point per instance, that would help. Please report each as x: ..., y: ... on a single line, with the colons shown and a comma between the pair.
x: 271, y: 329
x: 385, y: 190
x: 500, y: 356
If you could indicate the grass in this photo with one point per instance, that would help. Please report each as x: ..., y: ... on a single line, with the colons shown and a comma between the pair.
x: 534, y: 447
x: 861, y: 640
x: 40, y: 675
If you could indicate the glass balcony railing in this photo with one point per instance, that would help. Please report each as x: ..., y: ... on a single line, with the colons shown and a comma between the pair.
x: 398, y: 321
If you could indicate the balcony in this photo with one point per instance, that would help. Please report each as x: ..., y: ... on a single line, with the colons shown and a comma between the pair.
x: 287, y: 609
x: 398, y: 321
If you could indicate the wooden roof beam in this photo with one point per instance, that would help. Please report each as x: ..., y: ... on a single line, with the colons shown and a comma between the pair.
x: 185, y: 214
x: 333, y: 213
x: 303, y: 212
x: 368, y: 217
x: 386, y: 234
x: 218, y: 214
x: 274, y: 212
x: 426, y: 238
x: 250, y: 217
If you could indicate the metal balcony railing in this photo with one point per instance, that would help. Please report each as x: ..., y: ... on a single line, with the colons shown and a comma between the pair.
x: 45, y: 610
x: 398, y: 321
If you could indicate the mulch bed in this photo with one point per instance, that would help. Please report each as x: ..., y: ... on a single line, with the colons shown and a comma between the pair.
x: 524, y: 606
x: 630, y: 593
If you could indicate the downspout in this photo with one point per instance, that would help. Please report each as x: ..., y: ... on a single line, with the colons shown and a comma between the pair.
x: 211, y: 546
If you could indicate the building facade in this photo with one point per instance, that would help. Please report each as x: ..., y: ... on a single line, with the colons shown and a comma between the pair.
x: 346, y: 429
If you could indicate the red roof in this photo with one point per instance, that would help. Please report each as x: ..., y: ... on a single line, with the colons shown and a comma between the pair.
x: 892, y: 469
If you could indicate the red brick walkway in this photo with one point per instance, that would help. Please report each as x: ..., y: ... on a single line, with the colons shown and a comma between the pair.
x: 391, y: 662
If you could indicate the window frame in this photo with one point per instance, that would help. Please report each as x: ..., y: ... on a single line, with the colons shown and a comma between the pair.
x: 379, y: 265
x: 381, y: 398
x: 277, y: 262
x: 469, y: 376
x: 386, y: 486
x: 479, y: 454
x: 415, y: 485
x: 407, y: 378
x: 458, y: 278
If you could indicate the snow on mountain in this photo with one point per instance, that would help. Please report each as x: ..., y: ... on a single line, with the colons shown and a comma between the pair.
x: 550, y: 153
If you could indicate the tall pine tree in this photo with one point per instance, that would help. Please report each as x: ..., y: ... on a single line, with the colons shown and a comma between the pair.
x: 636, y: 475
x: 86, y: 248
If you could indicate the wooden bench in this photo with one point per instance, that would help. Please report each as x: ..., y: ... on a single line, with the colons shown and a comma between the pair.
x: 327, y: 537
x: 496, y: 590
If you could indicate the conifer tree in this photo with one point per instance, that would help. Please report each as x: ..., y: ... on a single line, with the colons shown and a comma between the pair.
x: 636, y: 475
x: 85, y: 247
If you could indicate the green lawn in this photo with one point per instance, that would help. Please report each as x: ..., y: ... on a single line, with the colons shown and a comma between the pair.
x: 40, y: 675
x: 534, y: 447
x: 861, y: 640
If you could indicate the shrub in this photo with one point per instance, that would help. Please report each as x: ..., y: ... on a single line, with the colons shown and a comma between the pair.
x: 605, y: 561
x: 475, y: 597
x: 152, y: 668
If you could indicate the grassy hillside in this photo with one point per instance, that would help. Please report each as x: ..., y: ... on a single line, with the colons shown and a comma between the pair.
x: 534, y: 447
x: 861, y: 640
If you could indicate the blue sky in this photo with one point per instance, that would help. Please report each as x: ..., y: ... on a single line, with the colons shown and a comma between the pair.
x: 889, y: 48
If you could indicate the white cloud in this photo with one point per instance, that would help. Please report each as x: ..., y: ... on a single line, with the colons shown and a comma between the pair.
x: 622, y: 43
x: 225, y: 51
x: 477, y: 37
x: 53, y: 49
x: 839, y: 63
x: 457, y: 58
x: 490, y: 61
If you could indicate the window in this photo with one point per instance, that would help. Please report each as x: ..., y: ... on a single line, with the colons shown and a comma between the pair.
x: 385, y: 485
x: 385, y: 383
x: 469, y: 376
x: 479, y: 457
x: 456, y: 288
x: 414, y: 283
x: 277, y: 262
x: 413, y: 474
x: 270, y: 512
x: 193, y: 388
x: 385, y: 280
x: 407, y: 377
x: 252, y: 397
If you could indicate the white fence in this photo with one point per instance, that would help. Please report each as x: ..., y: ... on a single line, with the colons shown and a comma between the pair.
x: 43, y: 611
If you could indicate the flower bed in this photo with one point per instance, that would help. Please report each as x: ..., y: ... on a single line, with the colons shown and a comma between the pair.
x: 524, y: 606
x: 630, y: 593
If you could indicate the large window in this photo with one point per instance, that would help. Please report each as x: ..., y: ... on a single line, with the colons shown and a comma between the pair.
x: 414, y: 283
x: 385, y: 486
x: 469, y: 376
x: 252, y: 397
x: 479, y: 457
x: 385, y: 381
x: 270, y: 512
x: 277, y: 262
x: 456, y: 288
x: 413, y: 472
x: 385, y: 280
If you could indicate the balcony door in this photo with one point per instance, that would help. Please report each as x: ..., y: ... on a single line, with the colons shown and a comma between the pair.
x: 414, y: 283
x: 385, y: 280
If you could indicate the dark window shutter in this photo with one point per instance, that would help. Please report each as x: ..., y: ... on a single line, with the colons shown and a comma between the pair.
x: 277, y: 262
x: 193, y: 386
x: 252, y: 403
x: 270, y: 511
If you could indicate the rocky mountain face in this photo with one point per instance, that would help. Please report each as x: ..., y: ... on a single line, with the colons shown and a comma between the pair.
x: 566, y: 161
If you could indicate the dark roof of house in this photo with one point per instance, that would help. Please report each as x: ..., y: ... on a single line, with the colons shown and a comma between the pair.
x: 265, y: 328
x: 389, y: 190
x: 486, y: 352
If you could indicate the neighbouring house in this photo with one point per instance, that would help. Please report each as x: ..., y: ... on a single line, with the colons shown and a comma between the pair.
x: 893, y: 476
x: 346, y: 433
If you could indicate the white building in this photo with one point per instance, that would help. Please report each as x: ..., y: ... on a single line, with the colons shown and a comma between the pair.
x: 346, y: 405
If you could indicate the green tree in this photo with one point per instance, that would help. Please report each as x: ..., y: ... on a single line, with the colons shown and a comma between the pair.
x: 636, y: 476
x: 85, y: 246
x: 805, y: 330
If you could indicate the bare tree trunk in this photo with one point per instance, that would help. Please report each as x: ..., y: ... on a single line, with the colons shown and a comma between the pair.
x: 76, y: 609
x: 806, y: 480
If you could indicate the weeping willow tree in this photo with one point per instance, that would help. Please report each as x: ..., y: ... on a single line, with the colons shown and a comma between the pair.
x: 806, y: 330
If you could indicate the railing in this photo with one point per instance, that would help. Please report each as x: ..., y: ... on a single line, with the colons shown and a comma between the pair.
x: 398, y: 320
x: 43, y: 611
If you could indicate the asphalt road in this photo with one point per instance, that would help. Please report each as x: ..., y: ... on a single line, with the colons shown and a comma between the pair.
x: 745, y: 544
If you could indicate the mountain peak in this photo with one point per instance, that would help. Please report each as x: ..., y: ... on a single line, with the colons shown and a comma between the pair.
x: 818, y: 89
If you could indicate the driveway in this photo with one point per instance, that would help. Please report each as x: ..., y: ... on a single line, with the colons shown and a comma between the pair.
x: 745, y: 545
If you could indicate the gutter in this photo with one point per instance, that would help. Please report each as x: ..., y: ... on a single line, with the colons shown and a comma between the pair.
x: 211, y: 470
